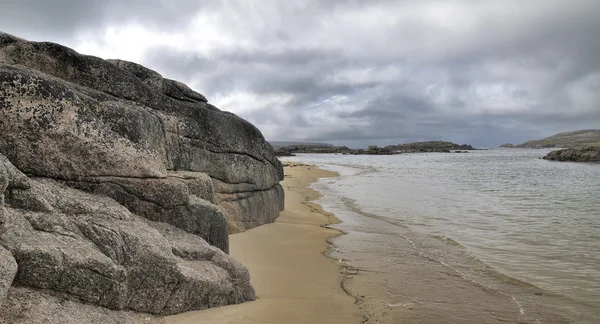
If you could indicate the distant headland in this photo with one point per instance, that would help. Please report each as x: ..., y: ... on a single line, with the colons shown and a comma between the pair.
x: 580, y: 138
x: 578, y: 146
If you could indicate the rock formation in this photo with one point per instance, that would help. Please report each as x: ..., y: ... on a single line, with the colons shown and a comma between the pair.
x: 118, y: 187
x: 586, y: 154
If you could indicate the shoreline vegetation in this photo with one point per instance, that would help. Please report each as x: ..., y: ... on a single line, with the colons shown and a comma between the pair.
x: 295, y: 281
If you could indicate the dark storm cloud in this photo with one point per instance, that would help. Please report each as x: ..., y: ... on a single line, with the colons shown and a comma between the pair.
x: 307, y: 74
x: 359, y: 72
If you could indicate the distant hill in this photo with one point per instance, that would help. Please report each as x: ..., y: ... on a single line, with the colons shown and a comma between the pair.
x: 580, y: 138
x: 277, y: 144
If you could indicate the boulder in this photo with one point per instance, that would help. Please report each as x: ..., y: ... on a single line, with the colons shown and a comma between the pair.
x: 100, y: 125
x: 118, y: 189
x: 90, y: 248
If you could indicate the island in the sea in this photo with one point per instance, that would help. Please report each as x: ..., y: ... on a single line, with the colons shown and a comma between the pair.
x: 414, y: 147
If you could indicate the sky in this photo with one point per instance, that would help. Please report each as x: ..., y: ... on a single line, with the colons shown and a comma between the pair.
x: 354, y: 72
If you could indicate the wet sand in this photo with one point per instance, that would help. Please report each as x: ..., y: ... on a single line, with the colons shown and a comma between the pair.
x: 398, y: 279
x: 401, y: 276
x: 295, y: 282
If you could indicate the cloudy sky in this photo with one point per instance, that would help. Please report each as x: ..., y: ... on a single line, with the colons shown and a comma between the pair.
x: 354, y: 72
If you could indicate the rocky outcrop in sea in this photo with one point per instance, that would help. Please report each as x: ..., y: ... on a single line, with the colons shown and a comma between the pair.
x: 118, y: 189
x: 507, y: 145
x: 586, y: 154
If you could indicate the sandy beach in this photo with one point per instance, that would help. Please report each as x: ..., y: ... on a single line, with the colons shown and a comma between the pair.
x: 294, y: 281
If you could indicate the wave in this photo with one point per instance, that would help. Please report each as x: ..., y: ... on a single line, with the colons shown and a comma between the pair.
x: 460, y: 250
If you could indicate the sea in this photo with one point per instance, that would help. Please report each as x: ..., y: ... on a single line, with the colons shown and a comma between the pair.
x: 524, y: 230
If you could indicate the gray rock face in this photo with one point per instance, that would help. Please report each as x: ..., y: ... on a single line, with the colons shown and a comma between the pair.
x: 89, y: 121
x: 8, y: 270
x: 26, y: 305
x: 90, y: 247
x: 113, y: 179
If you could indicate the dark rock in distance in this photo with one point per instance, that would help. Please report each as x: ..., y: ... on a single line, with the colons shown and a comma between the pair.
x: 373, y: 150
x: 586, y: 154
x: 507, y: 145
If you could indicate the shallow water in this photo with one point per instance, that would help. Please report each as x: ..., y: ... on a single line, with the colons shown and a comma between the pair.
x: 492, y: 216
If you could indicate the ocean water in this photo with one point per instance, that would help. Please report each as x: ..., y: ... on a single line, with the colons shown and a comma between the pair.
x: 495, y: 213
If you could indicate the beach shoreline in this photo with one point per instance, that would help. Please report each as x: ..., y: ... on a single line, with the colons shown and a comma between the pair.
x: 305, y: 270
x: 402, y: 275
x: 294, y: 278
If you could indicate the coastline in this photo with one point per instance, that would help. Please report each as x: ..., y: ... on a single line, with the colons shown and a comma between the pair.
x: 399, y: 275
x: 294, y: 279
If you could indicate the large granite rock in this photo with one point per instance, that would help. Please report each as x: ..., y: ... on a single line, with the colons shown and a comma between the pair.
x: 90, y: 248
x: 86, y: 120
x: 119, y: 187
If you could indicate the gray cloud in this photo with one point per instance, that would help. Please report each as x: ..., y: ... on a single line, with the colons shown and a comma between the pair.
x: 63, y: 19
x: 363, y: 72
